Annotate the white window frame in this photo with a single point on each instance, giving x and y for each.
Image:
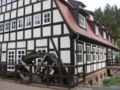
(82, 21)
(11, 60)
(37, 19)
(80, 53)
(48, 18)
(28, 21)
(13, 25)
(96, 30)
(6, 26)
(88, 55)
(104, 35)
(1, 27)
(94, 53)
(20, 54)
(20, 23)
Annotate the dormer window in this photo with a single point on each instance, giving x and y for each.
(82, 21)
(96, 30)
(104, 35)
(109, 38)
(91, 17)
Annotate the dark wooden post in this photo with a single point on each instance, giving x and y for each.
(30, 73)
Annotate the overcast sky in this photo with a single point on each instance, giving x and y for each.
(92, 4)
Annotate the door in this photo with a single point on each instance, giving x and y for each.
(11, 60)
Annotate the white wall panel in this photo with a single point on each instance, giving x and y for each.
(57, 16)
(1, 38)
(27, 2)
(1, 17)
(13, 14)
(46, 4)
(28, 9)
(41, 42)
(3, 57)
(37, 32)
(54, 4)
(20, 35)
(30, 45)
(4, 47)
(66, 31)
(8, 7)
(28, 34)
(57, 30)
(7, 15)
(20, 3)
(11, 45)
(33, 1)
(37, 7)
(21, 44)
(6, 37)
(65, 56)
(55, 40)
(14, 5)
(20, 12)
(65, 42)
(88, 69)
(47, 31)
(12, 36)
(50, 44)
(3, 8)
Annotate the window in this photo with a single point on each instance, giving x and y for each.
(104, 35)
(46, 18)
(82, 21)
(88, 54)
(13, 24)
(94, 54)
(11, 60)
(20, 54)
(20, 23)
(1, 27)
(96, 30)
(6, 26)
(79, 52)
(28, 21)
(37, 19)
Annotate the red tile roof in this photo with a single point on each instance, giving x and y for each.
(71, 22)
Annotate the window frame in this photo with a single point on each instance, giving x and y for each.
(88, 54)
(82, 21)
(97, 30)
(20, 25)
(11, 25)
(36, 19)
(48, 18)
(6, 25)
(28, 21)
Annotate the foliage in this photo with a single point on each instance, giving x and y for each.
(112, 81)
(110, 16)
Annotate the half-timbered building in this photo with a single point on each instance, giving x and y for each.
(60, 27)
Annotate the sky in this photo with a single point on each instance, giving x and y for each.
(93, 4)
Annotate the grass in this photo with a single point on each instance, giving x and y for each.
(112, 81)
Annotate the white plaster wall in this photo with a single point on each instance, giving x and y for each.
(47, 31)
(20, 12)
(6, 37)
(14, 5)
(33, 1)
(1, 38)
(3, 57)
(4, 47)
(1, 17)
(54, 4)
(65, 56)
(36, 32)
(11, 45)
(41, 42)
(8, 7)
(20, 35)
(46, 4)
(30, 45)
(7, 15)
(57, 16)
(57, 30)
(50, 44)
(37, 7)
(28, 34)
(66, 31)
(12, 36)
(28, 9)
(27, 2)
(21, 44)
(65, 42)
(55, 40)
(20, 3)
(3, 8)
(88, 69)
(13, 14)
(80, 69)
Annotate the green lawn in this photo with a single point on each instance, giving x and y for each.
(112, 81)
